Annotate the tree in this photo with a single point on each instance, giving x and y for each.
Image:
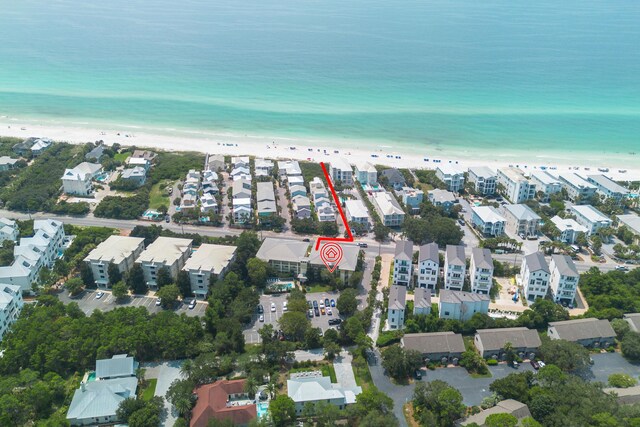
(294, 325)
(509, 353)
(164, 277)
(86, 275)
(184, 284)
(282, 410)
(331, 349)
(135, 280)
(169, 295)
(74, 286)
(630, 346)
(114, 273)
(514, 386)
(438, 400)
(501, 420)
(566, 355)
(257, 271)
(251, 387)
(380, 231)
(621, 327)
(119, 291)
(347, 303)
(180, 395)
(622, 380)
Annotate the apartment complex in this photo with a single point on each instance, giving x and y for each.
(208, 263)
(579, 190)
(515, 186)
(590, 218)
(11, 304)
(164, 252)
(483, 179)
(121, 251)
(607, 187)
(462, 306)
(522, 220)
(546, 184)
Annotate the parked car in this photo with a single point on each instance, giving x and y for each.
(260, 309)
(284, 306)
(322, 310)
(333, 303)
(316, 311)
(310, 313)
(309, 304)
(192, 304)
(535, 365)
(515, 364)
(622, 268)
(541, 364)
(159, 301)
(99, 294)
(363, 245)
(262, 317)
(315, 304)
(418, 374)
(306, 240)
(329, 311)
(273, 306)
(335, 321)
(326, 302)
(461, 221)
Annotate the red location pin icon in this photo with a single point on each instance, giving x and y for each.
(331, 255)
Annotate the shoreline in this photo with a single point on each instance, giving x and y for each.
(317, 149)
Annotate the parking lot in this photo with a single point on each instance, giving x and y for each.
(251, 335)
(88, 302)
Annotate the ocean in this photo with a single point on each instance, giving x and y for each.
(545, 78)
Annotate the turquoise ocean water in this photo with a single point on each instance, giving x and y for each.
(465, 76)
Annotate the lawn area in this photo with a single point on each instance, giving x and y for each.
(317, 287)
(122, 157)
(148, 392)
(329, 371)
(361, 372)
(158, 195)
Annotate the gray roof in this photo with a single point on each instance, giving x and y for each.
(509, 406)
(455, 255)
(482, 171)
(565, 265)
(96, 153)
(455, 297)
(625, 396)
(264, 191)
(422, 298)
(521, 212)
(634, 320)
(101, 398)
(536, 261)
(349, 259)
(118, 366)
(495, 339)
(631, 221)
(404, 250)
(442, 196)
(482, 258)
(394, 176)
(282, 250)
(434, 342)
(607, 183)
(397, 297)
(580, 329)
(429, 252)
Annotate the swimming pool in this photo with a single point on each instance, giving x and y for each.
(91, 377)
(262, 409)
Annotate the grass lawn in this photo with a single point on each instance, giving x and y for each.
(317, 287)
(148, 392)
(329, 371)
(122, 157)
(158, 197)
(487, 375)
(361, 372)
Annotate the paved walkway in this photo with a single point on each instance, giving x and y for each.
(166, 373)
(344, 370)
(312, 355)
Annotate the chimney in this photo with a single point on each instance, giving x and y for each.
(82, 387)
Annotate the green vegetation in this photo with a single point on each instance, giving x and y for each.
(149, 390)
(119, 207)
(400, 363)
(159, 196)
(122, 156)
(429, 177)
(329, 371)
(432, 228)
(622, 380)
(437, 404)
(611, 294)
(310, 170)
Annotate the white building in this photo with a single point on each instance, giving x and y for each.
(607, 187)
(397, 306)
(289, 168)
(412, 198)
(564, 279)
(422, 301)
(120, 251)
(168, 252)
(8, 230)
(340, 170)
(455, 267)
(487, 220)
(483, 179)
(312, 388)
(481, 270)
(590, 218)
(516, 187)
(534, 276)
(301, 207)
(357, 212)
(462, 306)
(208, 203)
(242, 210)
(578, 189)
(241, 172)
(632, 223)
(366, 173)
(240, 162)
(403, 263)
(7, 163)
(263, 167)
(78, 181)
(241, 189)
(208, 262)
(569, 229)
(428, 266)
(11, 304)
(388, 208)
(546, 183)
(452, 176)
(521, 220)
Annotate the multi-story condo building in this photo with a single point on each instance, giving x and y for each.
(546, 184)
(388, 208)
(340, 170)
(534, 276)
(569, 229)
(607, 187)
(579, 190)
(452, 176)
(487, 220)
(483, 179)
(428, 266)
(590, 218)
(121, 251)
(357, 212)
(208, 262)
(455, 266)
(481, 271)
(8, 230)
(564, 279)
(168, 252)
(284, 255)
(521, 220)
(366, 173)
(403, 263)
(11, 304)
(632, 223)
(462, 306)
(516, 187)
(397, 306)
(79, 180)
(412, 198)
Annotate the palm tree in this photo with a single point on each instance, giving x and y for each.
(508, 352)
(251, 387)
(183, 406)
(272, 387)
(187, 368)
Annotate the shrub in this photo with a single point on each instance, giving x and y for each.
(492, 362)
(388, 337)
(622, 380)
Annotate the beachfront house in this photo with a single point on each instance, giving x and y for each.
(488, 221)
(164, 252)
(428, 266)
(137, 175)
(439, 347)
(33, 145)
(524, 342)
(608, 188)
(569, 229)
(340, 171)
(78, 181)
(546, 184)
(357, 212)
(394, 178)
(579, 190)
(388, 208)
(521, 220)
(452, 176)
(266, 199)
(481, 270)
(515, 186)
(534, 276)
(483, 180)
(208, 264)
(263, 167)
(412, 198)
(241, 172)
(312, 388)
(590, 218)
(366, 173)
(11, 304)
(422, 301)
(121, 251)
(284, 256)
(7, 163)
(8, 230)
(462, 306)
(454, 267)
(403, 263)
(397, 306)
(442, 198)
(288, 168)
(214, 163)
(564, 279)
(632, 223)
(589, 332)
(225, 401)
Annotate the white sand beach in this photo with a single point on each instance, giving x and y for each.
(305, 149)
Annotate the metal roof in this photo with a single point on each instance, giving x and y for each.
(120, 365)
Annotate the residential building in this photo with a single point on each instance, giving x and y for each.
(147, 155)
(297, 190)
(317, 188)
(242, 210)
(295, 180)
(136, 175)
(223, 400)
(301, 207)
(483, 180)
(443, 347)
(39, 146)
(442, 198)
(240, 162)
(590, 218)
(208, 263)
(546, 184)
(8, 230)
(634, 321)
(462, 306)
(119, 366)
(564, 279)
(140, 162)
(388, 208)
(168, 252)
(266, 201)
(325, 212)
(208, 203)
(509, 406)
(422, 301)
(412, 198)
(569, 229)
(632, 223)
(214, 163)
(428, 266)
(340, 170)
(394, 177)
(516, 187)
(579, 190)
(534, 276)
(289, 168)
(96, 153)
(524, 342)
(397, 306)
(521, 220)
(366, 173)
(403, 263)
(263, 167)
(241, 189)
(589, 332)
(32, 145)
(481, 270)
(346, 267)
(7, 163)
(121, 251)
(284, 256)
(455, 266)
(488, 221)
(357, 212)
(78, 181)
(452, 176)
(11, 304)
(608, 188)
(321, 200)
(241, 172)
(313, 388)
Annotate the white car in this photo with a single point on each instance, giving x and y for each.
(329, 312)
(159, 301)
(99, 295)
(284, 306)
(192, 304)
(541, 364)
(273, 306)
(262, 317)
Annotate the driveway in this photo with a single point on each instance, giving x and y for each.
(166, 373)
(344, 370)
(605, 364)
